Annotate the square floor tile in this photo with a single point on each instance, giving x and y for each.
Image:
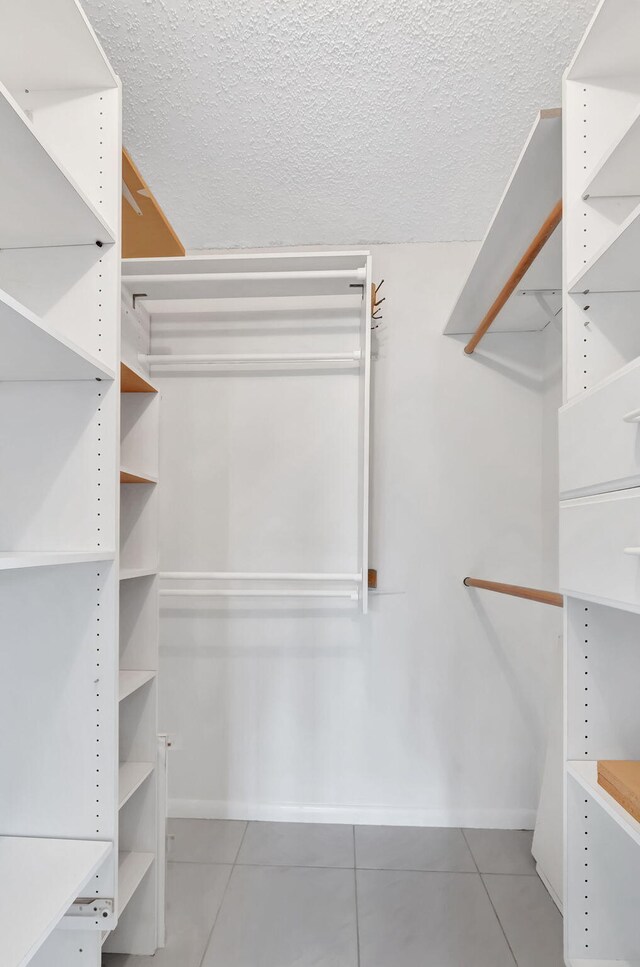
(501, 850)
(194, 895)
(529, 918)
(286, 917)
(297, 844)
(204, 840)
(410, 919)
(412, 848)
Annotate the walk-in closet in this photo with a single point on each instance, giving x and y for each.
(319, 484)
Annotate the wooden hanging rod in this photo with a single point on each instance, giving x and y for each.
(531, 594)
(546, 230)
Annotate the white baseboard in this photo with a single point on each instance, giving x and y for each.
(358, 815)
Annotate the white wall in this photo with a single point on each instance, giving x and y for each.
(431, 709)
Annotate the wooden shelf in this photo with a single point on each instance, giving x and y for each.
(586, 774)
(32, 350)
(146, 231)
(39, 880)
(129, 477)
(131, 381)
(131, 775)
(40, 204)
(23, 559)
(612, 36)
(615, 267)
(132, 868)
(534, 188)
(131, 681)
(128, 573)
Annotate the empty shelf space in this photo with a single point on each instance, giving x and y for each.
(40, 204)
(618, 173)
(132, 381)
(31, 350)
(131, 681)
(129, 477)
(24, 559)
(615, 267)
(39, 880)
(128, 573)
(586, 773)
(131, 870)
(130, 777)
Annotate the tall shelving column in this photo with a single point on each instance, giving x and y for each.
(142, 774)
(600, 482)
(60, 115)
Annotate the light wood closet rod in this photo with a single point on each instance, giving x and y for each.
(547, 229)
(531, 594)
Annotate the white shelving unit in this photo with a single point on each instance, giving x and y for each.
(293, 325)
(58, 870)
(60, 113)
(142, 779)
(533, 189)
(600, 482)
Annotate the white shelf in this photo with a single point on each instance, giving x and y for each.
(128, 573)
(131, 870)
(619, 173)
(131, 681)
(533, 189)
(131, 775)
(40, 204)
(24, 559)
(39, 880)
(615, 267)
(612, 37)
(586, 773)
(190, 279)
(32, 350)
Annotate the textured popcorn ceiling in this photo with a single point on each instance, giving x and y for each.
(297, 122)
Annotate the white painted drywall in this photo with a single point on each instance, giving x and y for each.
(431, 709)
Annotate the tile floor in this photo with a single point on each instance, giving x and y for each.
(311, 895)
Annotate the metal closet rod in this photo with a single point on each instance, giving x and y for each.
(257, 593)
(543, 235)
(256, 576)
(355, 275)
(169, 359)
(531, 594)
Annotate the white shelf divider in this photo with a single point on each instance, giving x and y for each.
(39, 880)
(132, 868)
(131, 775)
(40, 204)
(23, 559)
(131, 681)
(32, 350)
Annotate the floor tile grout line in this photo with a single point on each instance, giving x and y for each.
(222, 899)
(484, 887)
(215, 919)
(241, 843)
(355, 885)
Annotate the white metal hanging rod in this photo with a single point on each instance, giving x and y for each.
(169, 359)
(255, 576)
(258, 593)
(351, 275)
